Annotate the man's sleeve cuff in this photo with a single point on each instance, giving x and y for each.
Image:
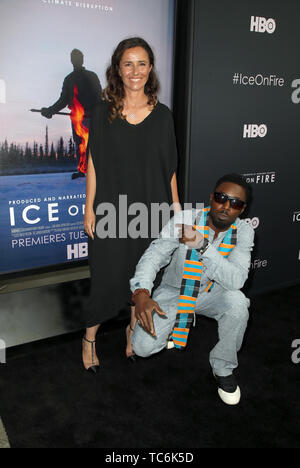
(134, 285)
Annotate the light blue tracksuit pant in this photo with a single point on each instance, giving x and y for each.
(228, 308)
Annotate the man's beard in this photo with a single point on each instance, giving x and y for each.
(220, 224)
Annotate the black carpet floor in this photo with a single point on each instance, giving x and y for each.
(167, 401)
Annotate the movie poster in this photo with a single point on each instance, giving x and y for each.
(53, 59)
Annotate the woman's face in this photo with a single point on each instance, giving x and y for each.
(135, 68)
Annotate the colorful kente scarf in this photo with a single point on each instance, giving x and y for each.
(191, 280)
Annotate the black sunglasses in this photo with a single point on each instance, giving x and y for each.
(235, 203)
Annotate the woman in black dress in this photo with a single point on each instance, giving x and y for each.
(132, 158)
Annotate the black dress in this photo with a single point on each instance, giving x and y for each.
(136, 161)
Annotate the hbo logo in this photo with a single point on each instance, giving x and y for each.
(253, 131)
(261, 25)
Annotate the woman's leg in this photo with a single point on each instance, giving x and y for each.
(89, 355)
(129, 332)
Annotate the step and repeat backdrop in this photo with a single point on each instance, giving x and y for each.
(245, 118)
(43, 161)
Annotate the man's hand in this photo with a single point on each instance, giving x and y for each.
(144, 308)
(189, 236)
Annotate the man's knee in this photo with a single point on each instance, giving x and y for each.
(143, 347)
(237, 305)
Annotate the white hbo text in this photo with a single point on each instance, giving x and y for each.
(261, 25)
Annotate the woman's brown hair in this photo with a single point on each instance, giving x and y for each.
(114, 92)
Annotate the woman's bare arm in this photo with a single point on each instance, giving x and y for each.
(175, 196)
(90, 217)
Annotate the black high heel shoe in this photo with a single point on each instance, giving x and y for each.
(133, 357)
(94, 369)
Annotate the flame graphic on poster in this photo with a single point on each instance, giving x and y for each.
(77, 115)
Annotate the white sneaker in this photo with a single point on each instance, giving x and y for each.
(228, 389)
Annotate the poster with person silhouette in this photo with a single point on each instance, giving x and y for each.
(53, 56)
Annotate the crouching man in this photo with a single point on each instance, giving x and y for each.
(208, 253)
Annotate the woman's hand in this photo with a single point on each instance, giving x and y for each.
(90, 223)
